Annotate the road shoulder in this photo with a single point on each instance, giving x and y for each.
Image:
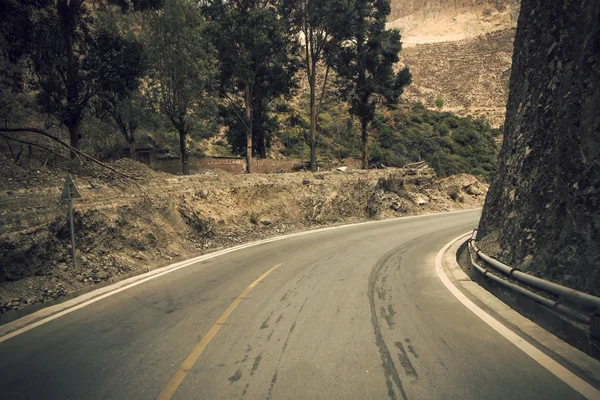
(574, 360)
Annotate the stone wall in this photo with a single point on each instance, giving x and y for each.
(237, 165)
(543, 207)
(197, 164)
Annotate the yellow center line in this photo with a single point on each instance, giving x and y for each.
(188, 363)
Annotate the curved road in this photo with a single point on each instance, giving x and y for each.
(350, 313)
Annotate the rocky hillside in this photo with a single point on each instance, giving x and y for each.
(470, 76)
(125, 226)
(543, 208)
(459, 52)
(427, 21)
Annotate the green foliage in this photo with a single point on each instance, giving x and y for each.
(365, 64)
(322, 26)
(439, 103)
(256, 53)
(183, 68)
(453, 194)
(68, 60)
(448, 143)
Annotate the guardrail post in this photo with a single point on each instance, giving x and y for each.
(595, 324)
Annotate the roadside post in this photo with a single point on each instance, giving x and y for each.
(69, 193)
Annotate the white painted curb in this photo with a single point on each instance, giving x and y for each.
(575, 382)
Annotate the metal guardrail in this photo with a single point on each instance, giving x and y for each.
(579, 305)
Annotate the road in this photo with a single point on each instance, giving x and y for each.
(351, 313)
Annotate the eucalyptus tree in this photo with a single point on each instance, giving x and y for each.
(257, 64)
(321, 26)
(182, 67)
(366, 64)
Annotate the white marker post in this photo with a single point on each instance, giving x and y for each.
(69, 193)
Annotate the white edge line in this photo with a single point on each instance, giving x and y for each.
(575, 382)
(22, 325)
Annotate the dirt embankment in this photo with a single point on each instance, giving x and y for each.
(125, 227)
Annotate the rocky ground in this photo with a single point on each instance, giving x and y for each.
(126, 227)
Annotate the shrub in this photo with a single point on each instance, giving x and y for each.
(453, 194)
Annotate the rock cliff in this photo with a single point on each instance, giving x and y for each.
(543, 208)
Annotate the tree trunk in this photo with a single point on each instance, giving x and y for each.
(261, 148)
(183, 147)
(313, 120)
(131, 140)
(248, 105)
(73, 136)
(259, 138)
(72, 117)
(365, 144)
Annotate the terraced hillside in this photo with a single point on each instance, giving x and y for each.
(458, 51)
(470, 76)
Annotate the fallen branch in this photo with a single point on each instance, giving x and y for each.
(48, 149)
(68, 146)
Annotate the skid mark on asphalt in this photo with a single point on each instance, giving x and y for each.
(387, 363)
(410, 347)
(388, 314)
(301, 307)
(256, 363)
(285, 296)
(283, 349)
(272, 385)
(243, 360)
(245, 391)
(265, 323)
(287, 339)
(388, 318)
(410, 370)
(236, 377)
(376, 293)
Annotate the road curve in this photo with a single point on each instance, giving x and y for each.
(351, 313)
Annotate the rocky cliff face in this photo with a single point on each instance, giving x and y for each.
(543, 208)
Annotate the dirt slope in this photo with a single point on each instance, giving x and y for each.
(459, 51)
(125, 228)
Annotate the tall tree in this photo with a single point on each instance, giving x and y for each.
(125, 60)
(257, 63)
(57, 41)
(365, 64)
(321, 25)
(182, 66)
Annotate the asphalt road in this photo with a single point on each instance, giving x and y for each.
(351, 313)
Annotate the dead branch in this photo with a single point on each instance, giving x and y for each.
(48, 149)
(68, 146)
